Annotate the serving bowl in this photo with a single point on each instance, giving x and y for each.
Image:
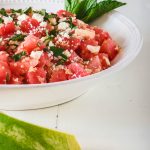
(21, 97)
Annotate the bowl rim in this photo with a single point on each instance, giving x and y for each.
(118, 66)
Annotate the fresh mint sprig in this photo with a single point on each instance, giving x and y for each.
(89, 10)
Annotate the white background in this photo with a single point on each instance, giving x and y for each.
(115, 115)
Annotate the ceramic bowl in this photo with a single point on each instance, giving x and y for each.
(21, 97)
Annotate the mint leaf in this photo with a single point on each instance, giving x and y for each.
(28, 11)
(16, 11)
(18, 37)
(18, 56)
(1, 20)
(71, 4)
(83, 7)
(58, 52)
(3, 12)
(101, 8)
(88, 10)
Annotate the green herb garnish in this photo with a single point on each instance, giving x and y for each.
(18, 56)
(18, 37)
(88, 10)
(58, 52)
(28, 11)
(72, 26)
(41, 12)
(3, 12)
(16, 11)
(1, 20)
(48, 16)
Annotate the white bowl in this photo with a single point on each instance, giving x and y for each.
(21, 97)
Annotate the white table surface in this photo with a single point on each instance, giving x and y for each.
(115, 115)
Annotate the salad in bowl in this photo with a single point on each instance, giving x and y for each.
(51, 58)
(37, 47)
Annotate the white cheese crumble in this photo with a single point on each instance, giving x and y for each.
(51, 44)
(18, 32)
(36, 54)
(7, 19)
(93, 49)
(43, 24)
(38, 17)
(63, 26)
(65, 33)
(84, 33)
(62, 19)
(22, 17)
(67, 53)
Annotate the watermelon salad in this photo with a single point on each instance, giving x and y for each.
(37, 47)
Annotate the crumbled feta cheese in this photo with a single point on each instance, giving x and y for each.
(36, 54)
(63, 26)
(43, 24)
(65, 33)
(22, 17)
(38, 17)
(82, 33)
(93, 49)
(67, 53)
(7, 19)
(62, 19)
(18, 32)
(59, 67)
(1, 39)
(51, 44)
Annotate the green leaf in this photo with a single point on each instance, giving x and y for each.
(48, 16)
(58, 52)
(18, 56)
(83, 7)
(16, 11)
(1, 20)
(71, 4)
(72, 26)
(18, 37)
(3, 12)
(41, 12)
(101, 8)
(28, 11)
(88, 10)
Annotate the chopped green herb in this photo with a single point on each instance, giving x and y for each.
(41, 12)
(53, 33)
(60, 62)
(18, 37)
(72, 26)
(1, 20)
(18, 56)
(3, 12)
(58, 52)
(16, 11)
(28, 11)
(48, 16)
